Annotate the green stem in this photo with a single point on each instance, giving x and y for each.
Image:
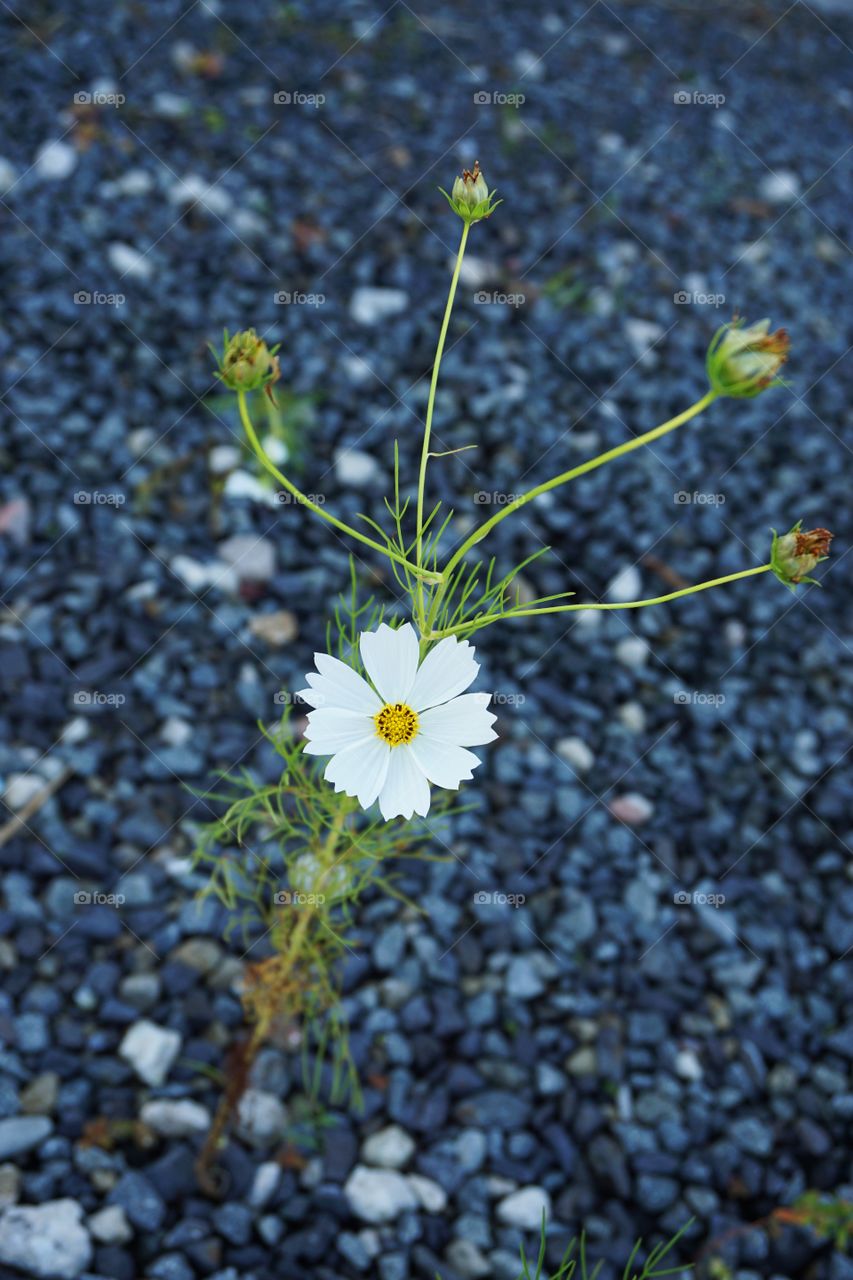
(571, 608)
(439, 351)
(590, 465)
(305, 501)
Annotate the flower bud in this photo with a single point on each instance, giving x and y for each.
(247, 363)
(743, 362)
(795, 554)
(470, 197)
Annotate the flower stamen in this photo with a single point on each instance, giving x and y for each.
(396, 724)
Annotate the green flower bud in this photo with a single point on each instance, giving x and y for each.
(795, 554)
(743, 362)
(470, 197)
(247, 363)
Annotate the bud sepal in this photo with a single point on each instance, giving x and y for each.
(470, 196)
(247, 363)
(794, 554)
(744, 360)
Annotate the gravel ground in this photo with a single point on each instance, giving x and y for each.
(618, 1049)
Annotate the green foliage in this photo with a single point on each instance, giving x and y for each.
(290, 861)
(827, 1215)
(574, 1264)
(289, 422)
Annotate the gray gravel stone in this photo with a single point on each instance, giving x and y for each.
(22, 1133)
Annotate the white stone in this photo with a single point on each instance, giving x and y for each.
(371, 306)
(21, 788)
(431, 1194)
(522, 979)
(261, 1117)
(523, 1209)
(632, 808)
(275, 629)
(46, 1240)
(633, 651)
(252, 559)
(633, 717)
(780, 188)
(76, 731)
(175, 1117)
(687, 1065)
(136, 182)
(241, 484)
(466, 1259)
(476, 273)
(354, 468)
(576, 753)
(128, 261)
(8, 176)
(224, 458)
(265, 1184)
(588, 620)
(390, 1147)
(171, 106)
(643, 336)
(110, 1225)
(199, 577)
(150, 1050)
(194, 190)
(357, 370)
(55, 161)
(626, 585)
(176, 732)
(529, 65)
(378, 1195)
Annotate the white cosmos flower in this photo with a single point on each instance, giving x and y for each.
(411, 728)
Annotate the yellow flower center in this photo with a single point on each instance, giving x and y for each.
(396, 724)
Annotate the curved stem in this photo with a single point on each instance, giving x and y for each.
(590, 465)
(439, 351)
(305, 501)
(629, 604)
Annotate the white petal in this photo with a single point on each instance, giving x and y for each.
(406, 790)
(464, 722)
(339, 686)
(446, 671)
(444, 765)
(360, 770)
(331, 729)
(391, 659)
